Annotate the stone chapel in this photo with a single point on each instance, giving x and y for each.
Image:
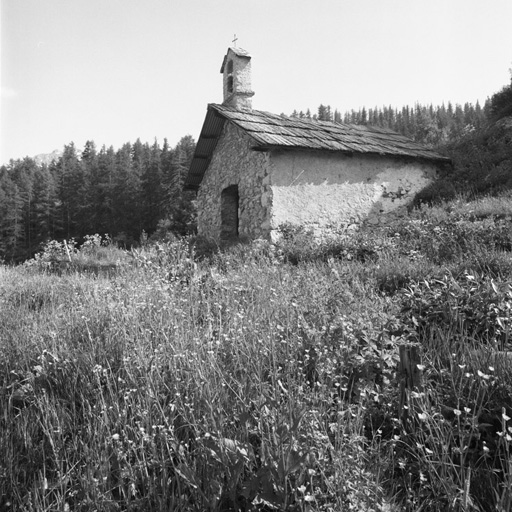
(254, 171)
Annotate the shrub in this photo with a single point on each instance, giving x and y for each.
(471, 307)
(97, 254)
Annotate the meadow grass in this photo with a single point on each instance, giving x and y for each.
(250, 379)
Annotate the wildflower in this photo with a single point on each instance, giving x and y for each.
(483, 375)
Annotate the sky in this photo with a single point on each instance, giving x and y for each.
(113, 71)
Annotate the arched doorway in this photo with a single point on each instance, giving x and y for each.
(229, 213)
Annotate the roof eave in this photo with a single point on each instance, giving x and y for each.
(274, 147)
(206, 144)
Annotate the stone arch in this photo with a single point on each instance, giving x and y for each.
(229, 205)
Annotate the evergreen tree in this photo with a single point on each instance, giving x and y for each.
(127, 198)
(12, 237)
(501, 103)
(71, 191)
(45, 201)
(92, 195)
(153, 194)
(179, 208)
(104, 217)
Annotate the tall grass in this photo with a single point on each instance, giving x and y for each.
(263, 377)
(173, 386)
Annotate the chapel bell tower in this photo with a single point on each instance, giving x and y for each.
(236, 77)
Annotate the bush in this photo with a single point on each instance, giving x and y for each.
(439, 191)
(299, 244)
(471, 308)
(97, 254)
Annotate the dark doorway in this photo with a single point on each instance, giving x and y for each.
(229, 213)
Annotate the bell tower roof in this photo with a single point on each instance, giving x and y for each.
(239, 52)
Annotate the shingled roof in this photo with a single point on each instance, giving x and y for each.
(271, 131)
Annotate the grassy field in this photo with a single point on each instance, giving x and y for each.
(263, 377)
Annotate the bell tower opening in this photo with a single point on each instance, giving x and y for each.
(229, 204)
(230, 76)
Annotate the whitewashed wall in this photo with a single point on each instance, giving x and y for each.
(318, 189)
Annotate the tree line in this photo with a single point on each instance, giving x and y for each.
(444, 126)
(125, 193)
(423, 123)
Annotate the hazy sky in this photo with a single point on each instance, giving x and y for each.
(115, 70)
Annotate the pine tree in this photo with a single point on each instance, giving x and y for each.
(127, 198)
(45, 201)
(179, 207)
(92, 196)
(104, 218)
(12, 231)
(71, 191)
(153, 195)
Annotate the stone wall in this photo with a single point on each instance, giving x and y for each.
(235, 163)
(318, 189)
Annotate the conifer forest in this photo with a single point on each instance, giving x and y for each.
(122, 193)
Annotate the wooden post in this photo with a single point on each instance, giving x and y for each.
(410, 378)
